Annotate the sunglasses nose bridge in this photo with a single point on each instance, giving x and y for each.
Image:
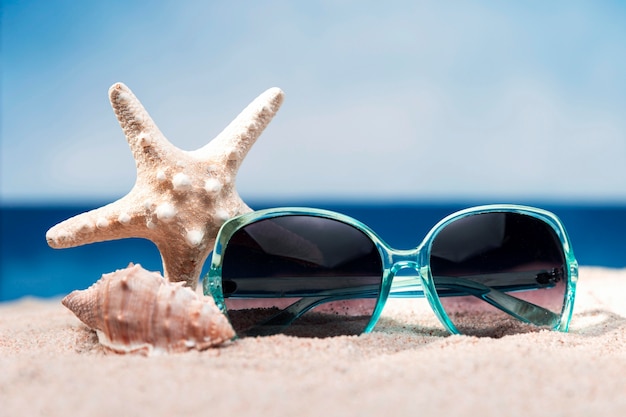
(404, 264)
(406, 279)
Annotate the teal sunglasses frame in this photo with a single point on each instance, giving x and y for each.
(421, 284)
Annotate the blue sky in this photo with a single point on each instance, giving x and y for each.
(397, 100)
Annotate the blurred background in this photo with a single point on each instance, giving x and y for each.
(396, 112)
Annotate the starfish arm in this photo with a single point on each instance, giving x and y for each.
(180, 264)
(109, 222)
(234, 142)
(243, 208)
(144, 137)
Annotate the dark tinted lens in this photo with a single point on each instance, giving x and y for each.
(300, 275)
(489, 268)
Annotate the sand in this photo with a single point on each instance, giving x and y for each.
(52, 365)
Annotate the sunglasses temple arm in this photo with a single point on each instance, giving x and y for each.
(518, 308)
(285, 317)
(410, 286)
(522, 310)
(292, 312)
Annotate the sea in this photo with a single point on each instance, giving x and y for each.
(30, 268)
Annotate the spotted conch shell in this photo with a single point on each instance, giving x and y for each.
(134, 310)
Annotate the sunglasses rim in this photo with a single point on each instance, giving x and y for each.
(389, 255)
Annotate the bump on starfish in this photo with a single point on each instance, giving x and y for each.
(180, 198)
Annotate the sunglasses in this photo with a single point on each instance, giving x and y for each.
(486, 271)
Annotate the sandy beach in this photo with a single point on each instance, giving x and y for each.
(52, 365)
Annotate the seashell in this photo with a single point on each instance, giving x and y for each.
(134, 310)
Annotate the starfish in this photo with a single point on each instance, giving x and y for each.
(180, 198)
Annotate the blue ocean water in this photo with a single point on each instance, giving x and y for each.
(30, 268)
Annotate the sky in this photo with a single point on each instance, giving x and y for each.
(395, 100)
